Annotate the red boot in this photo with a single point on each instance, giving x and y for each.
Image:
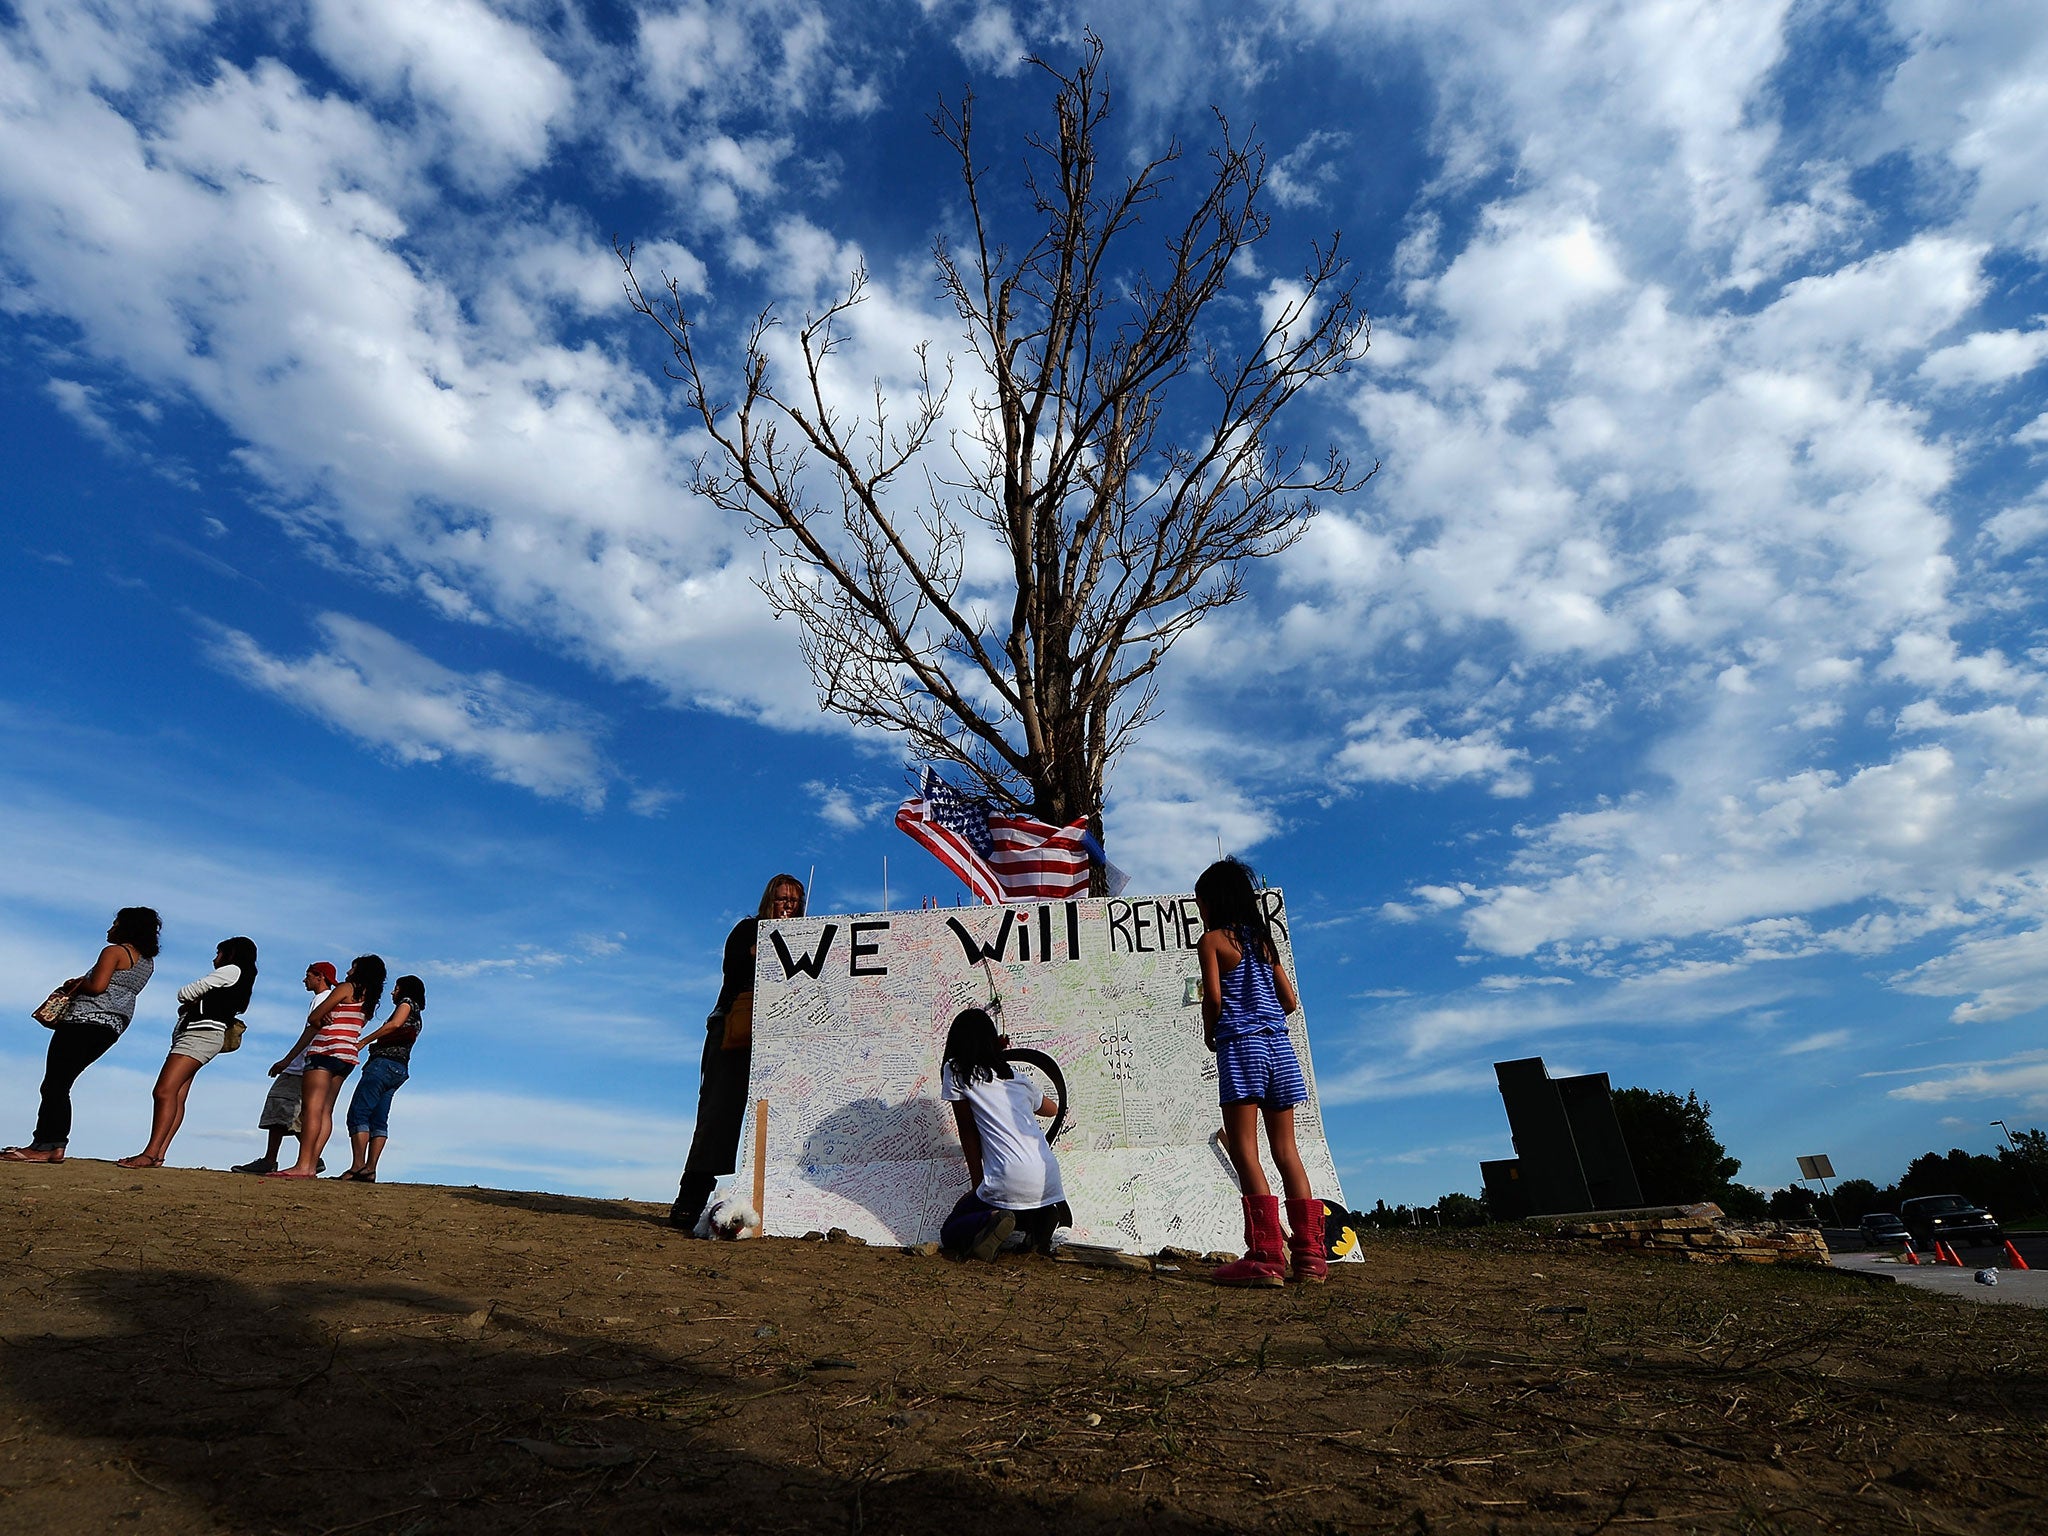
(1305, 1241)
(1261, 1264)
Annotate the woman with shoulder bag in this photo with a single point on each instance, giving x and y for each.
(102, 1002)
(209, 1015)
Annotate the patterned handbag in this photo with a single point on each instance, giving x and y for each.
(52, 1008)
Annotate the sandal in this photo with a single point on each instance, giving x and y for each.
(31, 1155)
(357, 1176)
(140, 1160)
(288, 1173)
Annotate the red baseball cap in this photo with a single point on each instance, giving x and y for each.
(323, 969)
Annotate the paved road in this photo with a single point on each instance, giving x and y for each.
(2033, 1247)
(2019, 1288)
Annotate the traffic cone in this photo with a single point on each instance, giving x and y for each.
(1954, 1257)
(2013, 1256)
(1909, 1256)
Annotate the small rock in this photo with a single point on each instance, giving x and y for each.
(841, 1235)
(766, 1331)
(1102, 1258)
(1178, 1255)
(1219, 1257)
(909, 1418)
(833, 1363)
(922, 1250)
(813, 1237)
(1093, 1420)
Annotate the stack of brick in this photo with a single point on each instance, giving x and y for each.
(1699, 1234)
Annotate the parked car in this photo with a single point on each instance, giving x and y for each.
(1950, 1218)
(1883, 1229)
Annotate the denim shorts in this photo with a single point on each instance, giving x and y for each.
(1260, 1069)
(339, 1066)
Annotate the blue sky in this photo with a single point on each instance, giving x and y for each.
(1671, 704)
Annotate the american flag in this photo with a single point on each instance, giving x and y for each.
(1002, 857)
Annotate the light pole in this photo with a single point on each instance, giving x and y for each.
(2008, 1134)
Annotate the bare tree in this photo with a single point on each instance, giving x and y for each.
(1120, 535)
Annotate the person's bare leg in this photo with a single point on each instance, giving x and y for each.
(360, 1159)
(1286, 1156)
(316, 1120)
(183, 1092)
(1241, 1141)
(167, 1110)
(376, 1151)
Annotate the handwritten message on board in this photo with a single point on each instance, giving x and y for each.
(850, 1015)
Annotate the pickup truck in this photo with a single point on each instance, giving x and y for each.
(1950, 1218)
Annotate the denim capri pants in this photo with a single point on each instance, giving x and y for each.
(370, 1107)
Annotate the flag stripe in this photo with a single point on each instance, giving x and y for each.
(1000, 857)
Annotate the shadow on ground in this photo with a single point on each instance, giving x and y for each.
(321, 1407)
(565, 1205)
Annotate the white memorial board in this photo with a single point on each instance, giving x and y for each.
(850, 1016)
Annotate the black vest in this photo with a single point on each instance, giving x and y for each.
(225, 1003)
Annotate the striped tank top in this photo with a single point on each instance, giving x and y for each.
(340, 1033)
(1251, 1003)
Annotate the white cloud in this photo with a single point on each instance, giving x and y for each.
(247, 243)
(1986, 358)
(1966, 99)
(487, 76)
(1387, 747)
(990, 40)
(838, 809)
(1824, 1040)
(389, 696)
(1303, 176)
(80, 402)
(2023, 1077)
(2002, 974)
(1882, 306)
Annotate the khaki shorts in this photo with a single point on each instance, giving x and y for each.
(281, 1105)
(201, 1042)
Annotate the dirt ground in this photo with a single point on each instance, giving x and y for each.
(197, 1352)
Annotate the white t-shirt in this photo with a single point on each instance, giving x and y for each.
(296, 1067)
(1018, 1170)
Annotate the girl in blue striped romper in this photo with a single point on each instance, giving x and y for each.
(1246, 998)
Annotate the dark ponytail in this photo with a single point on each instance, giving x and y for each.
(240, 953)
(366, 975)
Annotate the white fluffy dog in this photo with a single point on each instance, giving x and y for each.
(730, 1217)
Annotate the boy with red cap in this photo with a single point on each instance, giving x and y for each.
(280, 1114)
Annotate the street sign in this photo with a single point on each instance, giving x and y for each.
(1816, 1167)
